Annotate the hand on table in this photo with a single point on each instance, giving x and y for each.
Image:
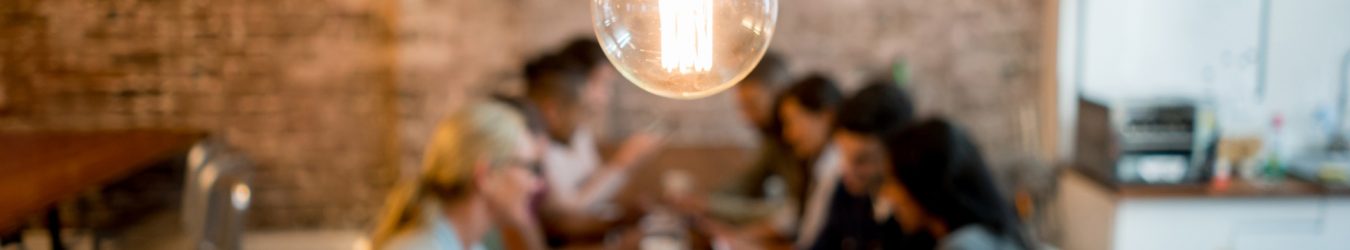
(691, 205)
(724, 236)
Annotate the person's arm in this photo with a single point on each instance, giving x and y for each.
(522, 235)
(758, 231)
(564, 222)
(750, 184)
(744, 199)
(599, 186)
(635, 150)
(605, 180)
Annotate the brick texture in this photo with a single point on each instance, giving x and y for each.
(304, 88)
(973, 61)
(334, 99)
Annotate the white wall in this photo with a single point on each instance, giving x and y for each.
(1208, 50)
(1308, 41)
(1067, 53)
(1164, 48)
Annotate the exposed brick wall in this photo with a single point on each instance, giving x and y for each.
(450, 51)
(304, 89)
(973, 61)
(330, 97)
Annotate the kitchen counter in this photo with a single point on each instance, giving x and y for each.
(1289, 214)
(1237, 188)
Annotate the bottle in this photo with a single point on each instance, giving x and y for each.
(1274, 165)
(1222, 174)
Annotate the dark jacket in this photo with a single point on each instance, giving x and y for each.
(851, 225)
(744, 200)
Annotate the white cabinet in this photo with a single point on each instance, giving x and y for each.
(1337, 220)
(1101, 218)
(1214, 223)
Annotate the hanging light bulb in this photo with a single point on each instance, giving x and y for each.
(684, 49)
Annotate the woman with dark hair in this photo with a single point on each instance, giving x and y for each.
(805, 111)
(750, 199)
(938, 184)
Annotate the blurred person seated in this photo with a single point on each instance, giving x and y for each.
(474, 177)
(805, 111)
(579, 186)
(745, 198)
(537, 133)
(600, 76)
(534, 125)
(934, 182)
(878, 109)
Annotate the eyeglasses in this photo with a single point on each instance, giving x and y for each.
(533, 165)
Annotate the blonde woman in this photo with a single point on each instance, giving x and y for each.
(474, 179)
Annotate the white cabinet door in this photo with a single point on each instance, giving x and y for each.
(1337, 233)
(1331, 231)
(1217, 223)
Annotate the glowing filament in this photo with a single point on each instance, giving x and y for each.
(686, 35)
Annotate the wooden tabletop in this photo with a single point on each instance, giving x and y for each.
(1236, 188)
(41, 169)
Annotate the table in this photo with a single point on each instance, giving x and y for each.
(628, 233)
(708, 166)
(41, 169)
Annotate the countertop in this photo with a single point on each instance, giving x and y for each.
(1236, 188)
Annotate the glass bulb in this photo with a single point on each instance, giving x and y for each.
(684, 49)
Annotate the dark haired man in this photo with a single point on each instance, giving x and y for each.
(878, 109)
(580, 186)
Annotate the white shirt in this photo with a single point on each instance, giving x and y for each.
(826, 176)
(575, 177)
